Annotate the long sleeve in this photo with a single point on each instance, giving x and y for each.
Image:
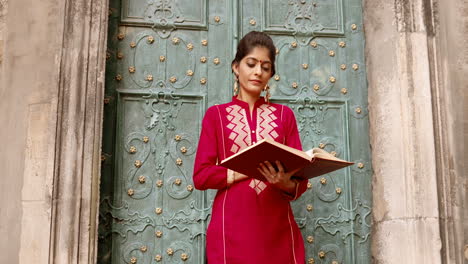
(292, 139)
(206, 174)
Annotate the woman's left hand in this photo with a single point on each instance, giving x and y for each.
(278, 178)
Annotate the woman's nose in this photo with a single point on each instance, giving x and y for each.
(258, 69)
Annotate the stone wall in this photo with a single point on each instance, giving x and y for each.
(32, 42)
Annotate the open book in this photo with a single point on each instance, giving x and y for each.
(314, 162)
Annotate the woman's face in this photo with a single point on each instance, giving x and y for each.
(254, 71)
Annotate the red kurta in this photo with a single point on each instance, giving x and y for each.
(251, 221)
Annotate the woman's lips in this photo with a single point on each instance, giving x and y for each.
(256, 81)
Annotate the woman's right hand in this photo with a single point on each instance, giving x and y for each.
(278, 177)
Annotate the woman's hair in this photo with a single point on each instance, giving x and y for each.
(255, 39)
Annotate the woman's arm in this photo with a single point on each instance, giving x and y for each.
(234, 176)
(206, 173)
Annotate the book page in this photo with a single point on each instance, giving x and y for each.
(310, 153)
(321, 153)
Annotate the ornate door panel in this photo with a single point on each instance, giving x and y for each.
(321, 76)
(170, 60)
(167, 62)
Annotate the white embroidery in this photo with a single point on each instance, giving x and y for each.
(257, 185)
(266, 122)
(240, 129)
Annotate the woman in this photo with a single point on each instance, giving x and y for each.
(251, 220)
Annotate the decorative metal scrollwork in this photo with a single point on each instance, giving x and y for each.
(133, 184)
(180, 190)
(160, 109)
(133, 253)
(176, 187)
(122, 219)
(189, 219)
(302, 17)
(164, 15)
(348, 222)
(310, 115)
(328, 191)
(156, 71)
(177, 251)
(335, 253)
(319, 80)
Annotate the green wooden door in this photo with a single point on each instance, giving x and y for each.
(170, 60)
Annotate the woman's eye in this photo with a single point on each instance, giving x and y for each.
(266, 69)
(250, 65)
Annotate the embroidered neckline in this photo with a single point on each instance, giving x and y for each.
(260, 101)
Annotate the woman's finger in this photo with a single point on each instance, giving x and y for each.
(267, 176)
(279, 166)
(264, 170)
(270, 167)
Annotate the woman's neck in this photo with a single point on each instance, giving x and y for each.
(248, 98)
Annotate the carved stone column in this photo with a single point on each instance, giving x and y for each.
(405, 204)
(76, 178)
(450, 104)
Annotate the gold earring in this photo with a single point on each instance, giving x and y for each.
(267, 95)
(236, 86)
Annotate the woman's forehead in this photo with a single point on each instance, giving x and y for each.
(259, 53)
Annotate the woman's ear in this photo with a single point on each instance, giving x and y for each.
(235, 68)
